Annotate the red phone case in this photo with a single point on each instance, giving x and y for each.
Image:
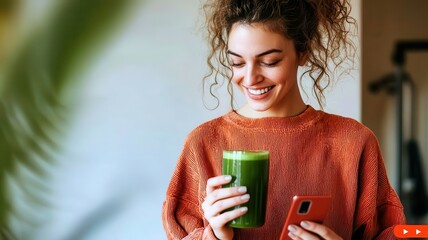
(318, 207)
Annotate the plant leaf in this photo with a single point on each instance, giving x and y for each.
(32, 105)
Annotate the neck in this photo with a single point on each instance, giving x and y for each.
(287, 111)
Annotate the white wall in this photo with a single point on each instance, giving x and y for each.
(132, 114)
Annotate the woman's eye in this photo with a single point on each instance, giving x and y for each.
(270, 64)
(237, 64)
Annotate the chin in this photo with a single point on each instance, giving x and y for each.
(259, 107)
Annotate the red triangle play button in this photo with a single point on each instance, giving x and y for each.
(411, 231)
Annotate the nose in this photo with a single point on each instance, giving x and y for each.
(252, 75)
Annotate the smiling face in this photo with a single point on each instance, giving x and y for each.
(264, 65)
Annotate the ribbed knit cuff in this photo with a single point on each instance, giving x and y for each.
(208, 234)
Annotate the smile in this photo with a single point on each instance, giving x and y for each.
(260, 91)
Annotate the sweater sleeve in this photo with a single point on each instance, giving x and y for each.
(378, 207)
(182, 216)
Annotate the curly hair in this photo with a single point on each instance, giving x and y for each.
(318, 28)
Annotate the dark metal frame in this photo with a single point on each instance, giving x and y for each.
(398, 59)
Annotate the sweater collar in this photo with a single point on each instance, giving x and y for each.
(301, 121)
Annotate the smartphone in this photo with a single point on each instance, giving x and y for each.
(311, 208)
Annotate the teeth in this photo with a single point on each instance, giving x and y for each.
(259, 91)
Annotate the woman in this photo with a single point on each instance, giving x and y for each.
(259, 46)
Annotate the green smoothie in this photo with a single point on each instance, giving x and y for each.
(250, 169)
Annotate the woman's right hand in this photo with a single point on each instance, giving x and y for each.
(219, 199)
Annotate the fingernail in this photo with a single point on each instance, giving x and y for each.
(305, 224)
(242, 189)
(291, 235)
(243, 209)
(292, 229)
(245, 197)
(228, 178)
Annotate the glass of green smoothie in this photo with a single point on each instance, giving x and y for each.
(250, 169)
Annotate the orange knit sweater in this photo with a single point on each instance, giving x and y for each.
(314, 153)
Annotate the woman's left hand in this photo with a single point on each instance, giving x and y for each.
(311, 230)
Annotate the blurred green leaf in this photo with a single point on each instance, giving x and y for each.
(32, 92)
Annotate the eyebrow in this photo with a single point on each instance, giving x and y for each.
(258, 55)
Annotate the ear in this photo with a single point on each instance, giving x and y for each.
(303, 57)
